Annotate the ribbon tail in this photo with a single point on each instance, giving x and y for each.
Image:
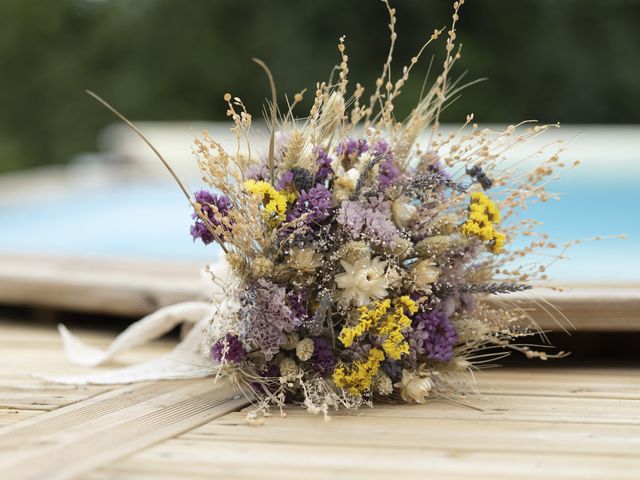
(184, 361)
(144, 330)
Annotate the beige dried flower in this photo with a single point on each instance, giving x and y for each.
(332, 114)
(402, 247)
(304, 260)
(414, 387)
(292, 340)
(288, 367)
(345, 185)
(304, 349)
(261, 267)
(352, 251)
(363, 280)
(425, 273)
(438, 245)
(403, 211)
(384, 385)
(446, 224)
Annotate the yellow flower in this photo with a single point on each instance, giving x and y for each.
(384, 322)
(359, 376)
(274, 202)
(481, 220)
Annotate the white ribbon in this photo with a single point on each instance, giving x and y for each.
(184, 361)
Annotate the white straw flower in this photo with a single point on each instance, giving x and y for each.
(413, 387)
(344, 185)
(425, 273)
(403, 211)
(363, 280)
(304, 349)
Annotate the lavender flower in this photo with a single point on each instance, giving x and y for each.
(323, 361)
(257, 172)
(298, 302)
(265, 317)
(208, 201)
(352, 148)
(389, 172)
(370, 220)
(229, 349)
(316, 203)
(324, 162)
(434, 335)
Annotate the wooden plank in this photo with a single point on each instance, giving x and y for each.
(291, 459)
(108, 286)
(78, 438)
(366, 430)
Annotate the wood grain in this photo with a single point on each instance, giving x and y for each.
(526, 423)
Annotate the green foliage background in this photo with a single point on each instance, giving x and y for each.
(551, 60)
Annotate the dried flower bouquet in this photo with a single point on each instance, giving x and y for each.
(363, 248)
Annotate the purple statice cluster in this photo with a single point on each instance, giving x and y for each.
(370, 219)
(352, 148)
(299, 303)
(214, 207)
(434, 335)
(389, 173)
(266, 317)
(323, 360)
(315, 204)
(228, 349)
(323, 161)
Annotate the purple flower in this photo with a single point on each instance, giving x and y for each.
(229, 349)
(298, 302)
(296, 179)
(389, 172)
(214, 207)
(352, 148)
(324, 166)
(257, 172)
(265, 317)
(370, 220)
(434, 335)
(316, 203)
(286, 181)
(323, 361)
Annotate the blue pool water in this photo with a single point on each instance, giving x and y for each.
(152, 221)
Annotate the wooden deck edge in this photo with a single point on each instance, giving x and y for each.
(137, 287)
(93, 433)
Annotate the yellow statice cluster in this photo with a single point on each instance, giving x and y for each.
(358, 377)
(481, 221)
(274, 202)
(386, 320)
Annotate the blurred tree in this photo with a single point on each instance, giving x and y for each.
(569, 61)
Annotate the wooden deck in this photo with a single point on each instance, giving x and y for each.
(545, 422)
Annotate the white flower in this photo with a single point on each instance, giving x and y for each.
(304, 349)
(403, 211)
(384, 385)
(344, 185)
(425, 273)
(363, 280)
(413, 387)
(304, 260)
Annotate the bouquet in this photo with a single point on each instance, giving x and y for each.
(368, 255)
